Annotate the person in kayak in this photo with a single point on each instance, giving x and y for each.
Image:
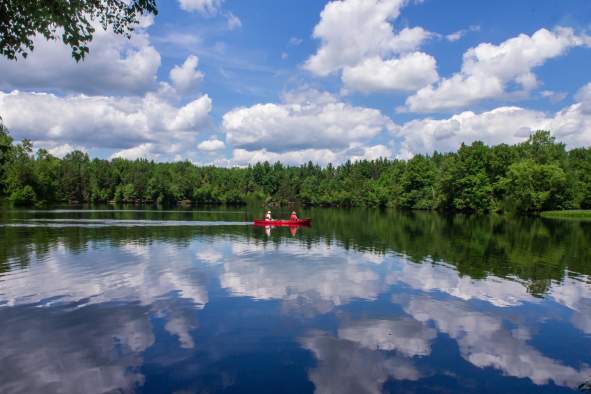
(268, 216)
(293, 216)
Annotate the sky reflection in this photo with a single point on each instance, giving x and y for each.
(213, 312)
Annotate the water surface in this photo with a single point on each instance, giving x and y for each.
(364, 301)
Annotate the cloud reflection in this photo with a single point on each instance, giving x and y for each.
(346, 366)
(485, 341)
(88, 350)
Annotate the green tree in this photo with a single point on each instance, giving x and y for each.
(6, 153)
(417, 184)
(73, 20)
(23, 196)
(464, 184)
(580, 171)
(542, 148)
(74, 177)
(20, 175)
(533, 187)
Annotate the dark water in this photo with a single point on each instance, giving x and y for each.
(363, 302)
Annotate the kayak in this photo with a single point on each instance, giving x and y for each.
(279, 222)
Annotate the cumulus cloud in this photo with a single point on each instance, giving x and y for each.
(233, 22)
(410, 72)
(571, 125)
(142, 151)
(353, 30)
(116, 65)
(204, 7)
(553, 96)
(584, 96)
(244, 157)
(488, 70)
(62, 150)
(103, 121)
(186, 77)
(211, 145)
(304, 120)
(458, 35)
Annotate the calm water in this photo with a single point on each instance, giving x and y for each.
(363, 302)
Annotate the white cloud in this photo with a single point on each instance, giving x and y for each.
(352, 30)
(204, 7)
(584, 96)
(489, 69)
(115, 65)
(104, 121)
(62, 150)
(458, 35)
(553, 96)
(295, 41)
(305, 120)
(186, 78)
(505, 124)
(571, 125)
(244, 157)
(142, 151)
(211, 145)
(233, 22)
(410, 72)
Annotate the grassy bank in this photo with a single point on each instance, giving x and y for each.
(570, 214)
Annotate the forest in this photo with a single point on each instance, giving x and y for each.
(536, 175)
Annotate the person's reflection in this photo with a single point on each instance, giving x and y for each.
(293, 231)
(268, 231)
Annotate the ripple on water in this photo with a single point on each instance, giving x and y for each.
(97, 223)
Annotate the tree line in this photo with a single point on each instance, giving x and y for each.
(536, 175)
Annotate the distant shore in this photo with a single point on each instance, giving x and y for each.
(568, 214)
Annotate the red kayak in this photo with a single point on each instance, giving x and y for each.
(299, 222)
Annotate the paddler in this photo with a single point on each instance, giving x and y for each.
(268, 216)
(293, 216)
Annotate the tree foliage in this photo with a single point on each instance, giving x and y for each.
(74, 20)
(538, 174)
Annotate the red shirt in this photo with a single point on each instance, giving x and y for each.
(293, 217)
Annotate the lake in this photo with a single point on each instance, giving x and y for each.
(364, 301)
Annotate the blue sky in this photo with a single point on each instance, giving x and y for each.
(233, 82)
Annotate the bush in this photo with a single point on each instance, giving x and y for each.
(24, 196)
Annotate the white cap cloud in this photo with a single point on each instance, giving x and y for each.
(115, 65)
(571, 125)
(304, 120)
(358, 38)
(135, 123)
(353, 30)
(204, 7)
(410, 72)
(186, 77)
(211, 145)
(488, 69)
